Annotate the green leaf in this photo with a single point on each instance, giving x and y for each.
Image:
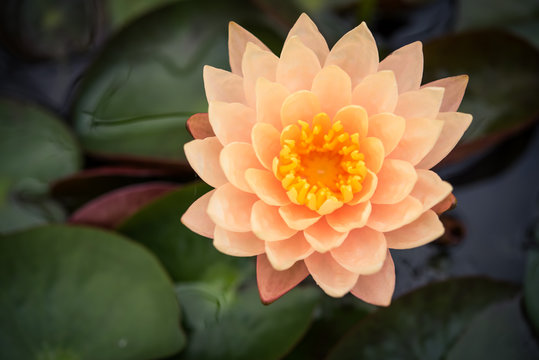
(80, 293)
(121, 12)
(238, 326)
(137, 96)
(494, 13)
(531, 283)
(423, 324)
(499, 332)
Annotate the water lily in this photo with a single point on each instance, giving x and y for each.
(320, 159)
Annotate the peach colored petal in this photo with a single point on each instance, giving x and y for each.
(369, 185)
(298, 217)
(377, 93)
(419, 232)
(356, 53)
(454, 126)
(329, 206)
(266, 143)
(231, 121)
(430, 189)
(238, 38)
(334, 87)
(323, 237)
(235, 159)
(373, 149)
(256, 63)
(455, 87)
(349, 217)
(230, 208)
(363, 252)
(273, 284)
(297, 66)
(269, 99)
(377, 289)
(390, 217)
(306, 30)
(301, 105)
(267, 224)
(196, 217)
(387, 127)
(283, 254)
(407, 64)
(396, 180)
(354, 120)
(237, 243)
(199, 126)
(335, 280)
(221, 85)
(423, 103)
(266, 187)
(203, 156)
(445, 205)
(418, 140)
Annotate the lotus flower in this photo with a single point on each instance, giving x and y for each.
(320, 159)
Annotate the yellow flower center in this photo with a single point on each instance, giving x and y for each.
(319, 163)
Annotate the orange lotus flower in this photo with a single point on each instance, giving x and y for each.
(320, 159)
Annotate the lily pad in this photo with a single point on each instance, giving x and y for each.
(135, 99)
(78, 293)
(237, 326)
(494, 13)
(423, 324)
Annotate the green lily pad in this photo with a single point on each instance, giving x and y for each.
(423, 324)
(499, 332)
(121, 12)
(135, 99)
(531, 283)
(236, 325)
(78, 293)
(186, 255)
(475, 14)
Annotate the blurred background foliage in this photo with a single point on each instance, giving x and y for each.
(94, 263)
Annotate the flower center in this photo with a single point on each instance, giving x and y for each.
(319, 163)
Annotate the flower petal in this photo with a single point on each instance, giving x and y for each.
(455, 87)
(373, 149)
(231, 121)
(430, 189)
(298, 217)
(273, 284)
(363, 252)
(301, 105)
(196, 217)
(238, 38)
(445, 205)
(266, 143)
(418, 140)
(387, 127)
(283, 254)
(256, 63)
(396, 180)
(203, 156)
(269, 99)
(349, 217)
(356, 53)
(354, 120)
(267, 224)
(237, 243)
(369, 185)
(306, 30)
(454, 126)
(407, 64)
(377, 93)
(221, 85)
(378, 288)
(266, 187)
(390, 217)
(323, 237)
(297, 66)
(334, 86)
(425, 229)
(230, 208)
(335, 280)
(199, 126)
(235, 159)
(423, 103)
